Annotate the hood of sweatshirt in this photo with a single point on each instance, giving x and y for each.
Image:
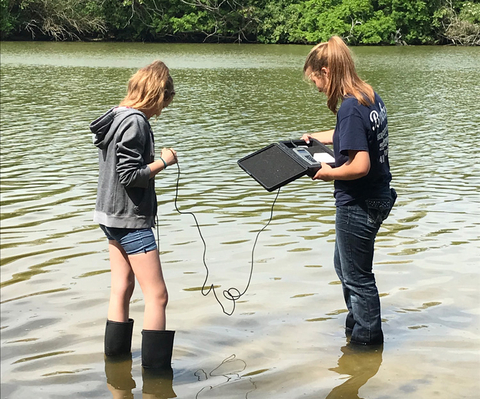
(104, 127)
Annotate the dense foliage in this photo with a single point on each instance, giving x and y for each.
(263, 21)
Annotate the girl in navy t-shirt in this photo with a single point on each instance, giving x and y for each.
(361, 175)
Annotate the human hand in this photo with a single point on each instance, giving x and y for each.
(324, 173)
(306, 137)
(169, 155)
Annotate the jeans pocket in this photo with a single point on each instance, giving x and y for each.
(378, 209)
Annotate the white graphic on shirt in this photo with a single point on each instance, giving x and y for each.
(382, 139)
(377, 119)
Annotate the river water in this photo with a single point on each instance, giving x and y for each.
(285, 338)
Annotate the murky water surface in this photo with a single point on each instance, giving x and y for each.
(285, 338)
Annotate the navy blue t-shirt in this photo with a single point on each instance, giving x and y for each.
(362, 128)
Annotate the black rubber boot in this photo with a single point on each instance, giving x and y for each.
(157, 347)
(118, 337)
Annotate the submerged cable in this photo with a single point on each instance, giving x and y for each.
(232, 294)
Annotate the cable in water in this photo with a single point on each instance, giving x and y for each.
(232, 294)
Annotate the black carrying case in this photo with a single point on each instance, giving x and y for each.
(278, 164)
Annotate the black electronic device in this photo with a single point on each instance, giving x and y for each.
(280, 163)
(306, 156)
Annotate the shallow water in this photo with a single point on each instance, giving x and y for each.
(285, 338)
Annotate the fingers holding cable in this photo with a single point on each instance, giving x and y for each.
(169, 155)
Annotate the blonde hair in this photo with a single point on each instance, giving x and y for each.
(342, 77)
(149, 87)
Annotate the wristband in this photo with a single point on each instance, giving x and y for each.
(164, 163)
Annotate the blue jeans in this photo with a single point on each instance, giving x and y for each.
(356, 228)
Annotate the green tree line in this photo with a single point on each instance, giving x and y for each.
(259, 21)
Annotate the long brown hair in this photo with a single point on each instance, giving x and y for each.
(149, 87)
(342, 77)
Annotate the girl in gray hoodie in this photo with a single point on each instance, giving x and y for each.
(126, 208)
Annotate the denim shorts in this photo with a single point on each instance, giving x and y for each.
(133, 241)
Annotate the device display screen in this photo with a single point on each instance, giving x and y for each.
(305, 155)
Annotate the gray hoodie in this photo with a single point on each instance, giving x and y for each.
(126, 194)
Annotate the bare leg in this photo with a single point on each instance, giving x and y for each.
(148, 271)
(122, 283)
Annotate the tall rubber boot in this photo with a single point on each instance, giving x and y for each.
(157, 347)
(118, 337)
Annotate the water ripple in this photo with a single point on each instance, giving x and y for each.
(232, 101)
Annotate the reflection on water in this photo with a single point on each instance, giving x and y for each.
(288, 328)
(120, 383)
(360, 364)
(230, 380)
(158, 384)
(119, 377)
